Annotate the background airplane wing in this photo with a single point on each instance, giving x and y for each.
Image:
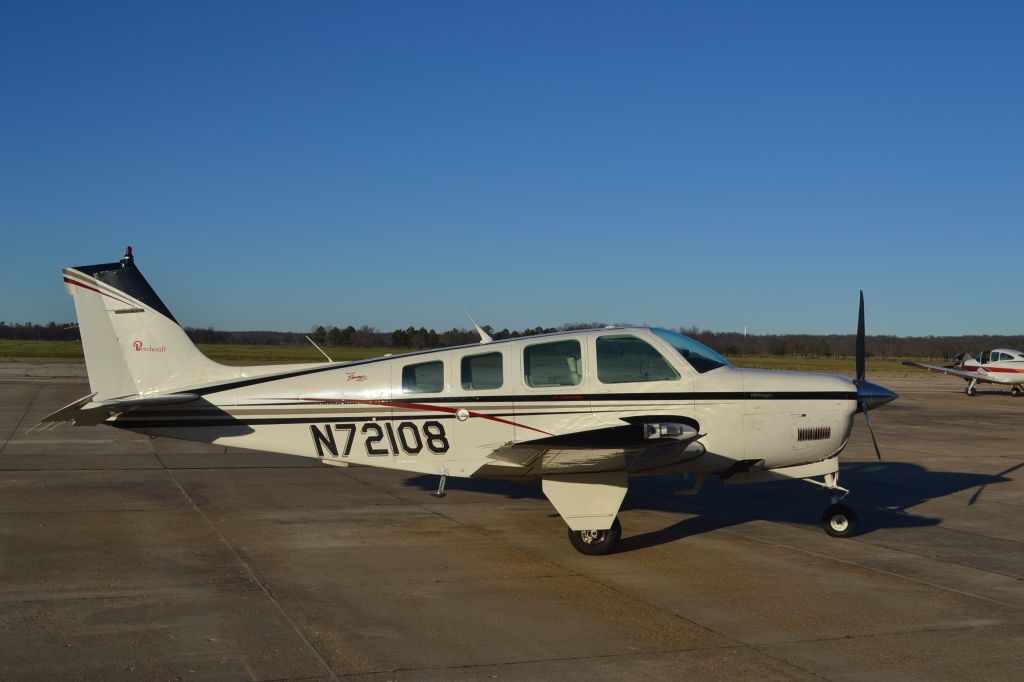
(950, 370)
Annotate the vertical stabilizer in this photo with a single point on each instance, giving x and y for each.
(133, 345)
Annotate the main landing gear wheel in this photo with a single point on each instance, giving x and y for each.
(839, 521)
(1015, 390)
(596, 542)
(971, 390)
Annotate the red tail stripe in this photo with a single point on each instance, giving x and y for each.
(101, 293)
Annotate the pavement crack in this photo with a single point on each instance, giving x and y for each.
(870, 635)
(264, 588)
(561, 659)
(22, 419)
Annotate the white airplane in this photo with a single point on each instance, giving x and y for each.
(1000, 366)
(581, 411)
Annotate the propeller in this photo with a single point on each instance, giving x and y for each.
(869, 395)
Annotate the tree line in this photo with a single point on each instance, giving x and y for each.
(728, 343)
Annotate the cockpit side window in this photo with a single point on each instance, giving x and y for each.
(624, 358)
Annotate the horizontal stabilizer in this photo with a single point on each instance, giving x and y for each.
(84, 412)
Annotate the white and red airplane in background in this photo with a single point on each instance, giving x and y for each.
(999, 366)
(579, 412)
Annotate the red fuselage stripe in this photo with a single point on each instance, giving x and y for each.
(416, 406)
(1011, 370)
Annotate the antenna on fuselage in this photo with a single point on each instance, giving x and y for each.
(484, 336)
(319, 349)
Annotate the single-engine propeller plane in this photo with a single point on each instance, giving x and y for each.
(999, 366)
(580, 411)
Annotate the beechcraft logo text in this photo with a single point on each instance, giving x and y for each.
(140, 348)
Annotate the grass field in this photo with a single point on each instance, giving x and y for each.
(822, 364)
(235, 354)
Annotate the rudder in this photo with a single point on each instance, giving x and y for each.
(133, 345)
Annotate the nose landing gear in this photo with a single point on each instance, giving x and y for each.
(839, 520)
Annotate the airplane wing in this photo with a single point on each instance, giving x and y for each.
(638, 447)
(952, 371)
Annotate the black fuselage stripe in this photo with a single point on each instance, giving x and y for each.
(159, 419)
(636, 401)
(220, 421)
(595, 397)
(340, 417)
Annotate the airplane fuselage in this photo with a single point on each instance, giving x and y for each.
(1001, 366)
(521, 408)
(579, 411)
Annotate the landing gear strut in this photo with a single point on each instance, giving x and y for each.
(596, 542)
(839, 520)
(972, 388)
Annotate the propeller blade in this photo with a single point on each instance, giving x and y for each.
(867, 418)
(860, 340)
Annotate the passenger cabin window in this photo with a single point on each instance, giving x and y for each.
(559, 363)
(982, 358)
(426, 377)
(622, 359)
(482, 372)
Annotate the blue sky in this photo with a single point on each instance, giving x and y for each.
(280, 165)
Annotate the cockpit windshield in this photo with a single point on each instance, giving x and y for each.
(700, 357)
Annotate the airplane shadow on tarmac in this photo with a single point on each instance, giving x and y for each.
(883, 495)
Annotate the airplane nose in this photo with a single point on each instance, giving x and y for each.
(871, 395)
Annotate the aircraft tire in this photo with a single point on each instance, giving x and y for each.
(596, 542)
(971, 391)
(839, 521)
(1015, 390)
